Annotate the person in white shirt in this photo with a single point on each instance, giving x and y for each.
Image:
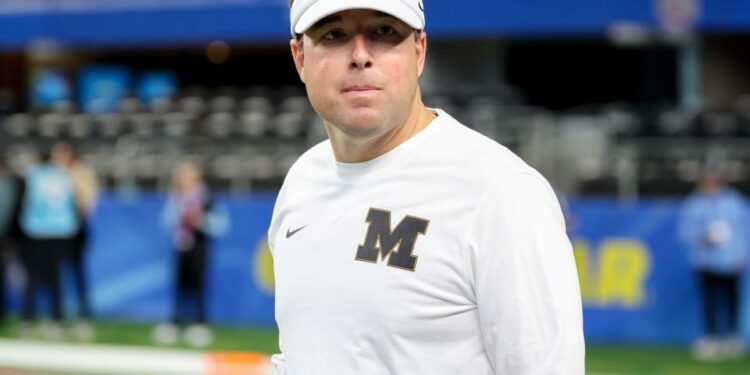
(407, 243)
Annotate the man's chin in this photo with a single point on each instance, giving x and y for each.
(362, 123)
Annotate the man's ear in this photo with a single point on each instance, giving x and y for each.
(421, 52)
(298, 54)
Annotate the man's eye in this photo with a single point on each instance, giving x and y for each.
(332, 35)
(385, 30)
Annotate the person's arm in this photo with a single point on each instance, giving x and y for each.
(525, 280)
(215, 220)
(690, 230)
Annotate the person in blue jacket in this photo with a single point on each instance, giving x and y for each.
(715, 227)
(49, 220)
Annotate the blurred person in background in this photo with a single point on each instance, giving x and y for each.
(406, 235)
(86, 188)
(191, 218)
(715, 227)
(49, 220)
(10, 193)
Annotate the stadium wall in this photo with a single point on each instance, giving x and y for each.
(96, 23)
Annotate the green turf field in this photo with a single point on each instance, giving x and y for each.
(262, 340)
(600, 359)
(661, 361)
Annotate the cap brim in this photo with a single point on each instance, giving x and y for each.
(322, 9)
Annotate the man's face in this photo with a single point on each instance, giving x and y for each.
(360, 68)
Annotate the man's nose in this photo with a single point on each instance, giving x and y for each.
(361, 56)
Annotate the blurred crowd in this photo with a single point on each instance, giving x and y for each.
(44, 227)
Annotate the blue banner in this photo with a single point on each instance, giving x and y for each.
(636, 283)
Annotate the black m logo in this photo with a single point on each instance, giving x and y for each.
(381, 243)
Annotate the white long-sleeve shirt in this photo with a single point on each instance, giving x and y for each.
(446, 255)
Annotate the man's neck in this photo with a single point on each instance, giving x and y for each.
(348, 149)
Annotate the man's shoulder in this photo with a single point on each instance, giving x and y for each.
(481, 156)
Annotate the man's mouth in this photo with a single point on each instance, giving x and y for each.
(360, 88)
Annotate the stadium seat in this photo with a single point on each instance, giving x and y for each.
(81, 126)
(224, 103)
(194, 105)
(225, 170)
(177, 124)
(291, 124)
(51, 125)
(110, 125)
(295, 104)
(23, 157)
(220, 124)
(258, 104)
(19, 125)
(254, 124)
(143, 124)
(261, 166)
(163, 105)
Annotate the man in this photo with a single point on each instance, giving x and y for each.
(407, 243)
(714, 226)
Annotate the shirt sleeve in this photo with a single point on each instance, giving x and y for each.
(273, 227)
(689, 228)
(216, 221)
(525, 280)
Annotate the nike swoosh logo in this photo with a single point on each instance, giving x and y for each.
(290, 233)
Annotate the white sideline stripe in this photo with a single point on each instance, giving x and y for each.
(99, 359)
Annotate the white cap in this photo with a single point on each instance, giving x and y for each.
(306, 13)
